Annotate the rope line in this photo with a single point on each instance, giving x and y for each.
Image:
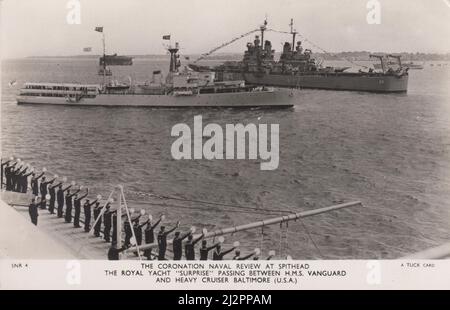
(280, 243)
(305, 39)
(206, 209)
(203, 56)
(310, 238)
(163, 197)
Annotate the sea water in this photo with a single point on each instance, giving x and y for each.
(390, 151)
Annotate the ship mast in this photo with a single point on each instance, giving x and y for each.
(174, 57)
(263, 28)
(104, 57)
(293, 32)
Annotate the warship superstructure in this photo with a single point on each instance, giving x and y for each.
(296, 68)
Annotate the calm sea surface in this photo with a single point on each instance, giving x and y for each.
(392, 152)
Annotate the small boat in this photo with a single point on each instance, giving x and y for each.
(115, 60)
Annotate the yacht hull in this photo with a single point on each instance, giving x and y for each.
(281, 98)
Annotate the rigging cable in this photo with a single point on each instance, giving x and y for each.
(319, 48)
(163, 197)
(262, 239)
(203, 56)
(208, 209)
(281, 240)
(310, 237)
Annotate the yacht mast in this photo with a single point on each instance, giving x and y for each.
(104, 58)
(174, 57)
(294, 33)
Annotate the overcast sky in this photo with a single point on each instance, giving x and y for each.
(39, 27)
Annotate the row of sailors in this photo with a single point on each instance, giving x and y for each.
(51, 193)
(16, 175)
(142, 231)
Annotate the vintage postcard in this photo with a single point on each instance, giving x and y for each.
(235, 144)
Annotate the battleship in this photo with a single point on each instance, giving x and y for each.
(181, 88)
(298, 69)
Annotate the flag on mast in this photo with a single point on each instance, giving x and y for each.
(166, 37)
(99, 29)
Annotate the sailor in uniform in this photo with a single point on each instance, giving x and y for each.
(128, 232)
(33, 210)
(149, 235)
(162, 240)
(238, 256)
(60, 199)
(87, 214)
(204, 250)
(218, 254)
(114, 227)
(97, 219)
(44, 187)
(68, 214)
(44, 191)
(19, 180)
(177, 245)
(77, 206)
(189, 246)
(15, 178)
(25, 182)
(35, 184)
(52, 192)
(8, 175)
(138, 230)
(114, 252)
(4, 167)
(107, 220)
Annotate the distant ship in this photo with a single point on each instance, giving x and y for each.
(180, 89)
(296, 68)
(115, 60)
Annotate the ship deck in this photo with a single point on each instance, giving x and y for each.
(60, 239)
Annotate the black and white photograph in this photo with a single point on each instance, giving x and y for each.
(290, 140)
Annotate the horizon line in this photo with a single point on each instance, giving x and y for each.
(218, 54)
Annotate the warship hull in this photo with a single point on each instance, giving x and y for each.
(342, 81)
(259, 99)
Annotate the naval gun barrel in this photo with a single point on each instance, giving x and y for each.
(273, 221)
